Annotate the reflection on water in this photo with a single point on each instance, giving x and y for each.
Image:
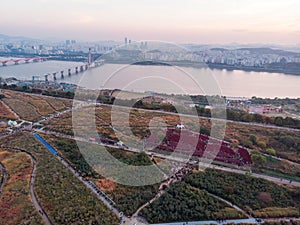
(168, 79)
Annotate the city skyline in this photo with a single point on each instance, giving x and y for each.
(209, 22)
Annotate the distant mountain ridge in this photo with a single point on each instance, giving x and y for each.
(4, 36)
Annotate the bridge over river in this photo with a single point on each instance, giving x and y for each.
(70, 71)
(18, 61)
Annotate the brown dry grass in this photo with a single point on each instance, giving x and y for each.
(33, 107)
(6, 113)
(106, 185)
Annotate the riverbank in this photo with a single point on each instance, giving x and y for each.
(284, 69)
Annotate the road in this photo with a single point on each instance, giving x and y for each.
(238, 221)
(3, 178)
(266, 177)
(295, 116)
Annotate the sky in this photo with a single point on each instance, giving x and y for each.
(181, 21)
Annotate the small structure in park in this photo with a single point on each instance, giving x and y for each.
(12, 123)
(180, 126)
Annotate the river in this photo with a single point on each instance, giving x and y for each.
(166, 79)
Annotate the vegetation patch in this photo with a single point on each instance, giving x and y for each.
(6, 113)
(33, 107)
(183, 202)
(64, 197)
(247, 192)
(127, 198)
(16, 206)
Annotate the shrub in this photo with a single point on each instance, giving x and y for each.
(271, 151)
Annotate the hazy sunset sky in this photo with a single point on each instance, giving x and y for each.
(197, 21)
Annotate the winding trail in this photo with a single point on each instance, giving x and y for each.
(31, 183)
(3, 178)
(34, 199)
(231, 204)
(157, 196)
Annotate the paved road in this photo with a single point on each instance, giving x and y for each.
(266, 177)
(3, 178)
(250, 221)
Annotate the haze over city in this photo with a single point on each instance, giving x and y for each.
(192, 21)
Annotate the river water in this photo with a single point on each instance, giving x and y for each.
(166, 79)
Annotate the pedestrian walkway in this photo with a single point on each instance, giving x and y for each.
(252, 221)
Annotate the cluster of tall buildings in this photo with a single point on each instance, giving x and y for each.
(68, 46)
(245, 57)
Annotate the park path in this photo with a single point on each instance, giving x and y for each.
(238, 221)
(34, 199)
(157, 196)
(231, 204)
(3, 178)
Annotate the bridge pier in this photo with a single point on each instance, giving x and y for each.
(54, 76)
(62, 74)
(69, 72)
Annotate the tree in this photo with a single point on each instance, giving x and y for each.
(265, 197)
(278, 121)
(253, 139)
(204, 130)
(262, 144)
(258, 159)
(271, 151)
(248, 144)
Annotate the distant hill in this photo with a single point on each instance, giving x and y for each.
(8, 38)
